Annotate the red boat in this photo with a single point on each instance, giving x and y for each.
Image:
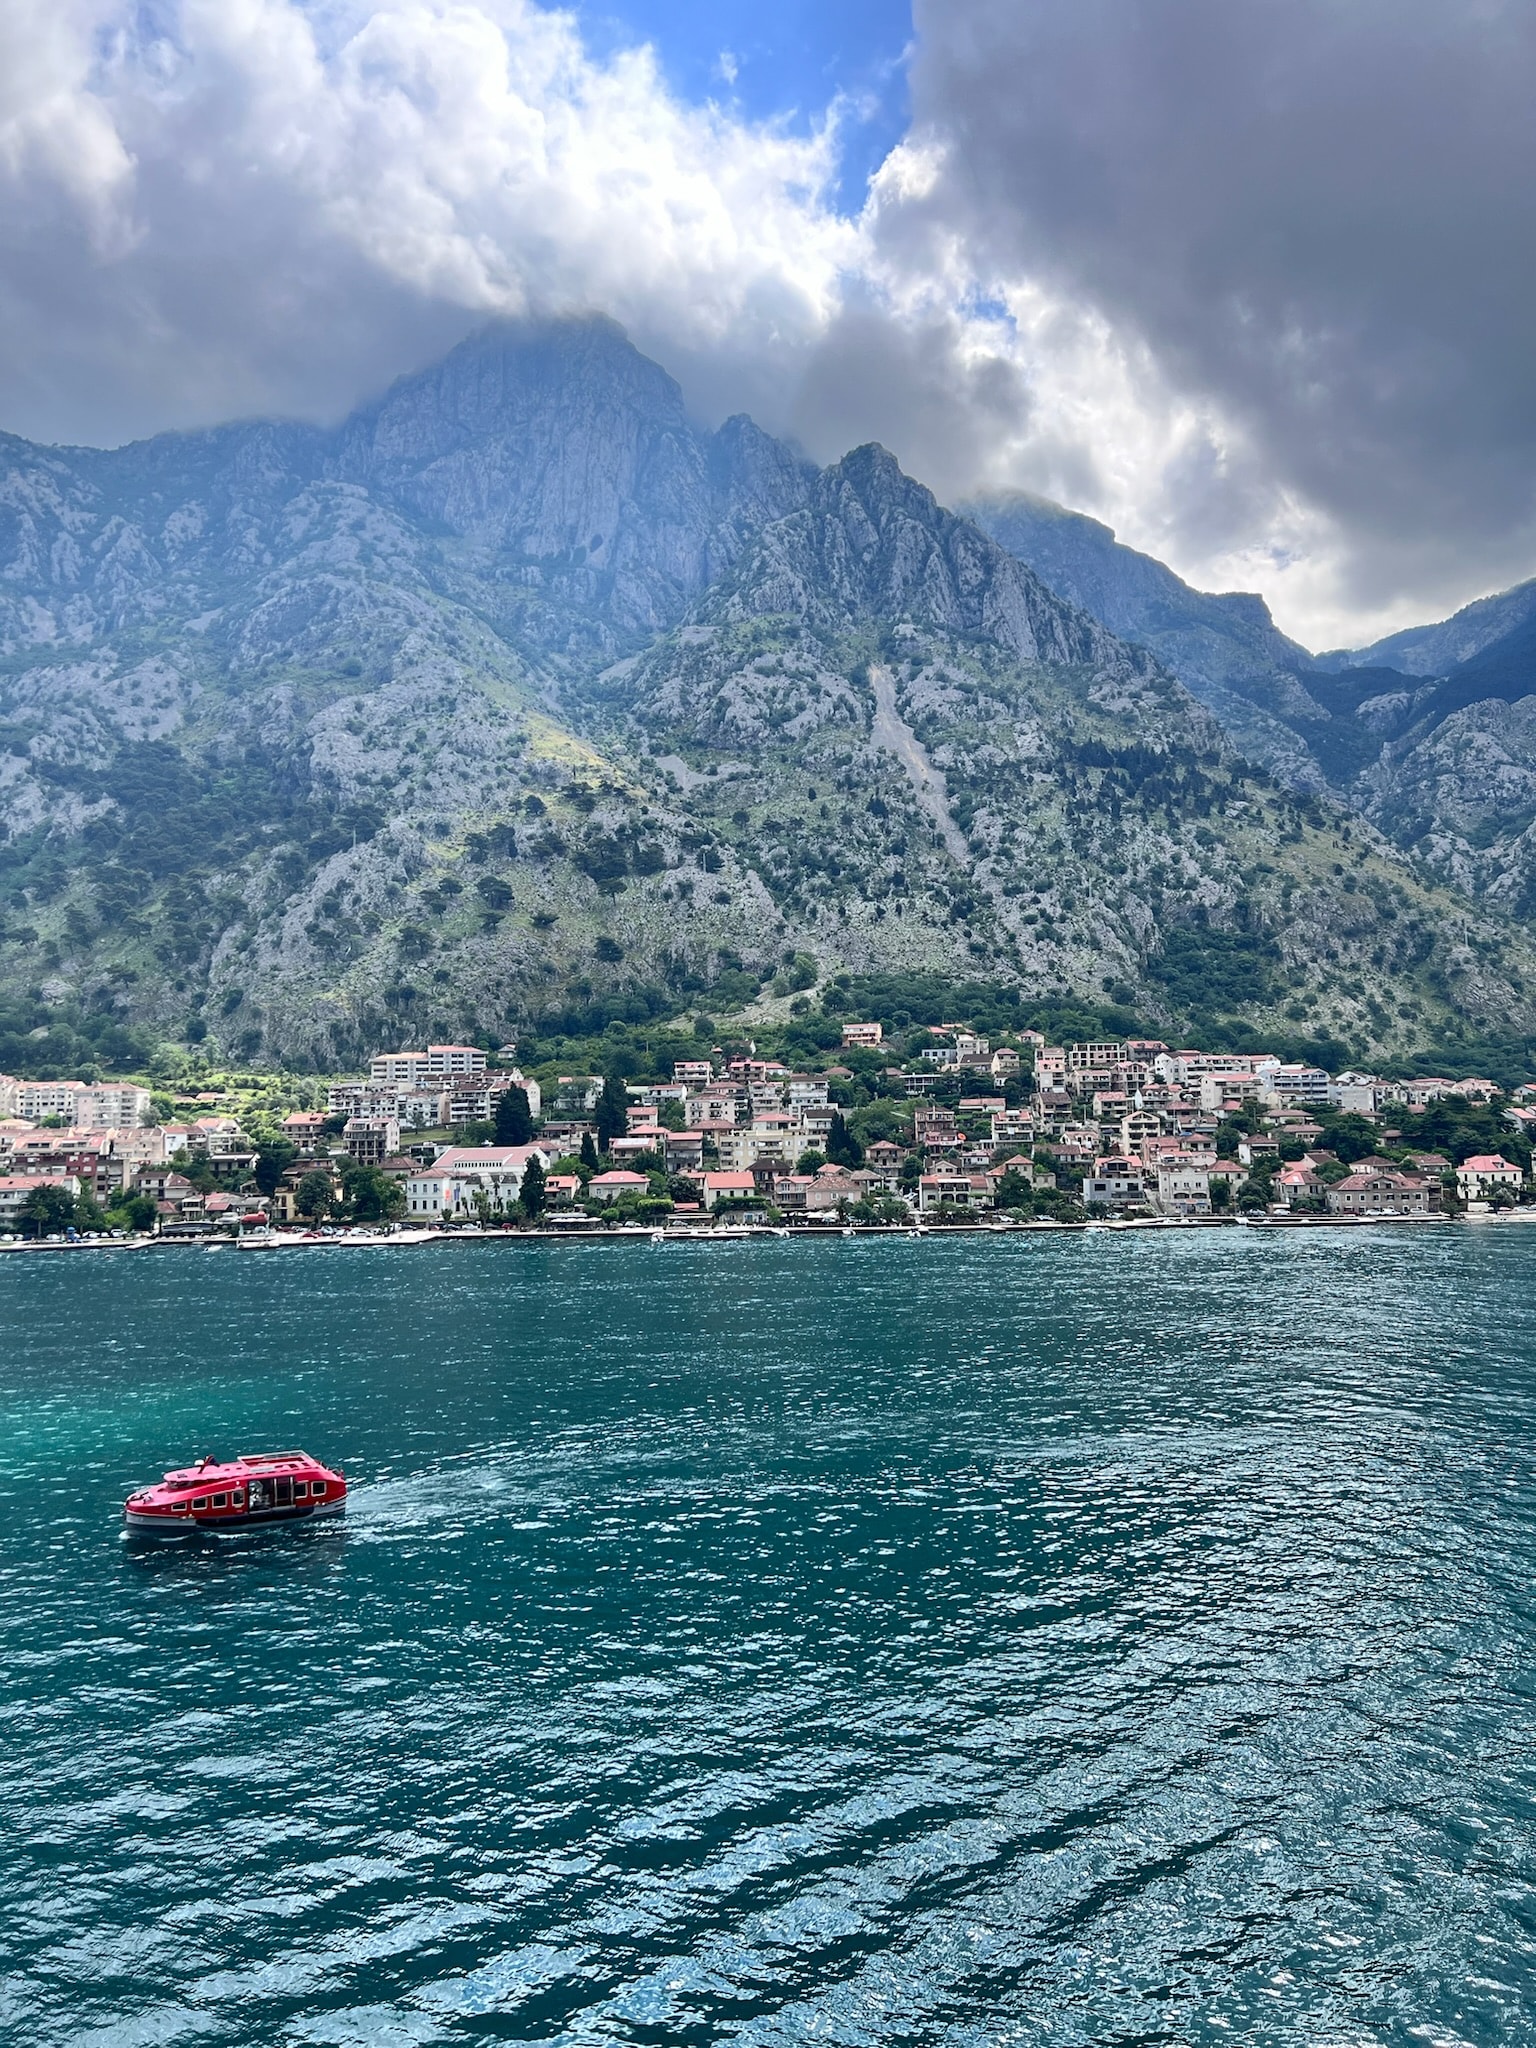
(240, 1493)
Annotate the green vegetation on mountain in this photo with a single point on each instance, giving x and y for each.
(520, 703)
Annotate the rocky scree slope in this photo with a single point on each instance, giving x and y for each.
(519, 692)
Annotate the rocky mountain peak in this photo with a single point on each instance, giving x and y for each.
(870, 542)
(559, 445)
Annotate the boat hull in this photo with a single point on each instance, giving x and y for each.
(224, 1523)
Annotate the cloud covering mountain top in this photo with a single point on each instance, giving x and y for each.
(1251, 284)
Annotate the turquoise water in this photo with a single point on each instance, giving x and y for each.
(1095, 1639)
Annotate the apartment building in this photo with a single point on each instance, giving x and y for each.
(436, 1063)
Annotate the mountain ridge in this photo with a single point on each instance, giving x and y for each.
(310, 736)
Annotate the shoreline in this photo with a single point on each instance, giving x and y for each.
(660, 1234)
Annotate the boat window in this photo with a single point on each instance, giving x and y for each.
(237, 1500)
(198, 1504)
(300, 1489)
(221, 1500)
(282, 1491)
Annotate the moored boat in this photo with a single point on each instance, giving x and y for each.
(238, 1493)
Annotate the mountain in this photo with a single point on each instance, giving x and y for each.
(521, 694)
(1426, 734)
(1437, 650)
(1225, 648)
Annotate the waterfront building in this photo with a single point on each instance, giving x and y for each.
(16, 1189)
(495, 1170)
(1183, 1185)
(1476, 1178)
(612, 1187)
(1381, 1194)
(1116, 1182)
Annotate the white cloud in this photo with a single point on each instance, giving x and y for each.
(218, 207)
(300, 200)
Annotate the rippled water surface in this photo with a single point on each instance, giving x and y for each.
(1099, 1639)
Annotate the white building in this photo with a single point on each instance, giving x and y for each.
(1293, 1083)
(420, 1069)
(1216, 1089)
(1476, 1178)
(775, 1139)
(15, 1188)
(111, 1106)
(421, 1109)
(430, 1195)
(1362, 1093)
(1183, 1186)
(362, 1098)
(495, 1171)
(1185, 1069)
(1012, 1127)
(1115, 1183)
(37, 1100)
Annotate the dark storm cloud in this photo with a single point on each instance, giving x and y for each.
(913, 383)
(1317, 213)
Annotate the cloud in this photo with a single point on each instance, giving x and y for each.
(1248, 282)
(1315, 220)
(248, 204)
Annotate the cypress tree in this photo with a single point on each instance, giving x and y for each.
(843, 1148)
(514, 1122)
(612, 1118)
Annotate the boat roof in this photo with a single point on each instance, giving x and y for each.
(256, 1463)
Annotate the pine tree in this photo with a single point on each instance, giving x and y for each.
(531, 1194)
(588, 1151)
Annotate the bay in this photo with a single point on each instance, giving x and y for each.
(1105, 1638)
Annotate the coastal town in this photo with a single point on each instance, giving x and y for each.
(936, 1127)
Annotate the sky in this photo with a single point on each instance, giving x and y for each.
(1253, 282)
